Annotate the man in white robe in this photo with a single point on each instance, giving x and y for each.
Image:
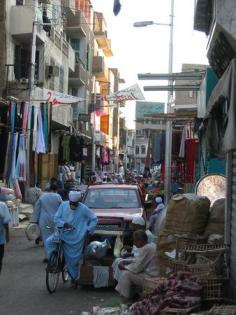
(137, 269)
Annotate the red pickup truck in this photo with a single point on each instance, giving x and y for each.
(115, 206)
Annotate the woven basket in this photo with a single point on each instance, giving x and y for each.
(223, 310)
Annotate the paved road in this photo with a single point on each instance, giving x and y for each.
(22, 285)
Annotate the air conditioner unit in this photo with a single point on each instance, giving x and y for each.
(24, 80)
(52, 71)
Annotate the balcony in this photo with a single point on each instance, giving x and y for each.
(69, 6)
(21, 25)
(63, 115)
(99, 69)
(77, 25)
(100, 32)
(78, 77)
(104, 43)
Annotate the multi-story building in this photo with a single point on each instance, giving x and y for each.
(187, 100)
(217, 19)
(144, 132)
(71, 45)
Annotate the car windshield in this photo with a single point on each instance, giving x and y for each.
(111, 198)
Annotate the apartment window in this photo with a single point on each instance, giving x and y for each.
(143, 149)
(22, 62)
(19, 2)
(137, 149)
(75, 43)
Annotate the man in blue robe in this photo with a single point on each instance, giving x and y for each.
(5, 219)
(44, 211)
(73, 214)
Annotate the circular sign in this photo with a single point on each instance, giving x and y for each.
(212, 186)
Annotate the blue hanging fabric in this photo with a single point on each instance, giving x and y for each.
(13, 152)
(13, 116)
(8, 163)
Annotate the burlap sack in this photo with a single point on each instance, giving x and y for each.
(187, 213)
(216, 221)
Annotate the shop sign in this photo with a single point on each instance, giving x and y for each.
(57, 98)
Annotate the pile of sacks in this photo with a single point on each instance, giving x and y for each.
(190, 219)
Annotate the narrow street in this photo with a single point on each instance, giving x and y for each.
(23, 290)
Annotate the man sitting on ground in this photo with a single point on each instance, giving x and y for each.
(137, 269)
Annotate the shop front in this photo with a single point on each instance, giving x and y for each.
(220, 124)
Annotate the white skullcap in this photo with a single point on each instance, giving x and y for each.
(138, 221)
(158, 200)
(74, 196)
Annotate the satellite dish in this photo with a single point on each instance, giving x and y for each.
(212, 186)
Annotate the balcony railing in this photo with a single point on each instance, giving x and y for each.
(77, 25)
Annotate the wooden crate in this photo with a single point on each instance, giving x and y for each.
(86, 276)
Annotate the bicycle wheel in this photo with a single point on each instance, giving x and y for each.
(52, 272)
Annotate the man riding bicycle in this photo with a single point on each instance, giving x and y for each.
(82, 221)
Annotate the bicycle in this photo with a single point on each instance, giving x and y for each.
(56, 264)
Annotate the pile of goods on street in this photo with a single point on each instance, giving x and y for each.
(178, 291)
(191, 249)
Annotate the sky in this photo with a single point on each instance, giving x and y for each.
(146, 50)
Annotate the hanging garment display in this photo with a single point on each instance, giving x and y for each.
(44, 113)
(104, 155)
(3, 145)
(25, 118)
(13, 164)
(66, 147)
(191, 147)
(20, 172)
(40, 143)
(76, 148)
(12, 116)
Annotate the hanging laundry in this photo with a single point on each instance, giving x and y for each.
(21, 160)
